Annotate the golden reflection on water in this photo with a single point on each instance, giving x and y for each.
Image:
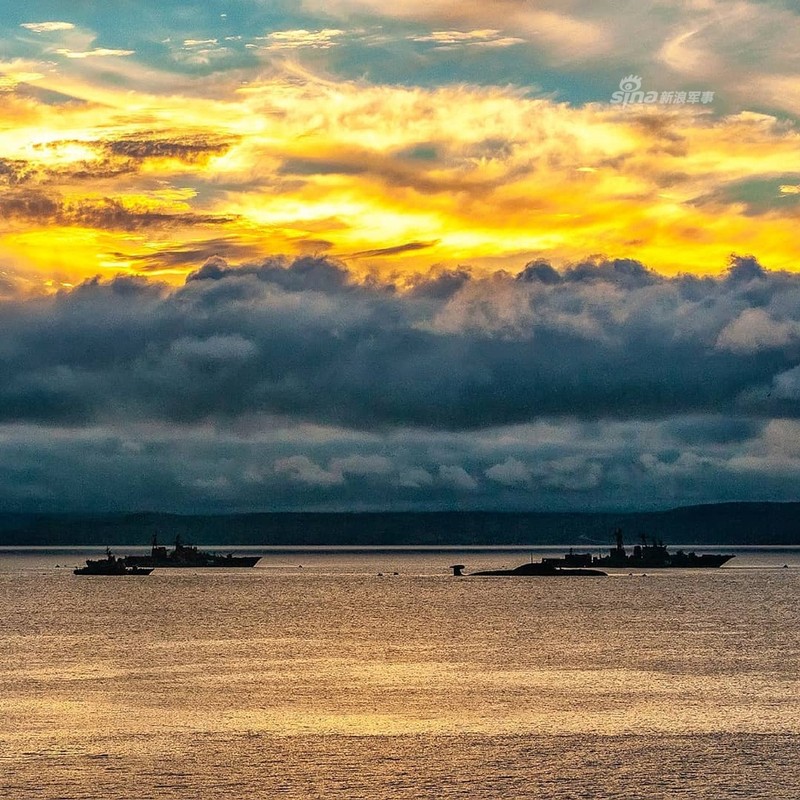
(222, 662)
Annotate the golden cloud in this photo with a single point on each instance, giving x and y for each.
(481, 175)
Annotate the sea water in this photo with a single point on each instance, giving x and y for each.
(376, 674)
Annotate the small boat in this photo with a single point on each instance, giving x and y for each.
(110, 565)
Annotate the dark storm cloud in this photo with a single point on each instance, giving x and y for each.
(279, 464)
(601, 340)
(712, 430)
(622, 272)
(408, 247)
(293, 384)
(106, 213)
(14, 171)
(96, 170)
(188, 149)
(398, 170)
(113, 158)
(189, 254)
(305, 274)
(440, 285)
(110, 214)
(29, 204)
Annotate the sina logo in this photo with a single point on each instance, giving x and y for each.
(630, 91)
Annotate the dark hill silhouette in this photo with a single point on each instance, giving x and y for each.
(725, 523)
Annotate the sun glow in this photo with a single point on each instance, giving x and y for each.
(481, 175)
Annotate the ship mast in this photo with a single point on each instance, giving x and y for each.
(620, 548)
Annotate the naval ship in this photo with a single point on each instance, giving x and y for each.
(188, 556)
(648, 555)
(110, 565)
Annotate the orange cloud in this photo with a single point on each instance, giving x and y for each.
(106, 180)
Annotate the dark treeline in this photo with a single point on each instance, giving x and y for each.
(729, 523)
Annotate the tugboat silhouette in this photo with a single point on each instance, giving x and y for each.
(110, 565)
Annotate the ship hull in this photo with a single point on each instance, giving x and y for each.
(113, 572)
(213, 562)
(543, 570)
(675, 561)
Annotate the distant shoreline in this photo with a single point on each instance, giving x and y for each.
(401, 548)
(727, 524)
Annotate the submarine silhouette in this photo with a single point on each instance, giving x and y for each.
(531, 569)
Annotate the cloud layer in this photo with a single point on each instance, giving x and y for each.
(173, 150)
(298, 379)
(602, 340)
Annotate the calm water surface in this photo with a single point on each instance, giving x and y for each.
(314, 676)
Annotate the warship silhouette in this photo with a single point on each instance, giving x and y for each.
(188, 556)
(111, 565)
(647, 555)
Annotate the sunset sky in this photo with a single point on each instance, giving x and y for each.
(354, 254)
